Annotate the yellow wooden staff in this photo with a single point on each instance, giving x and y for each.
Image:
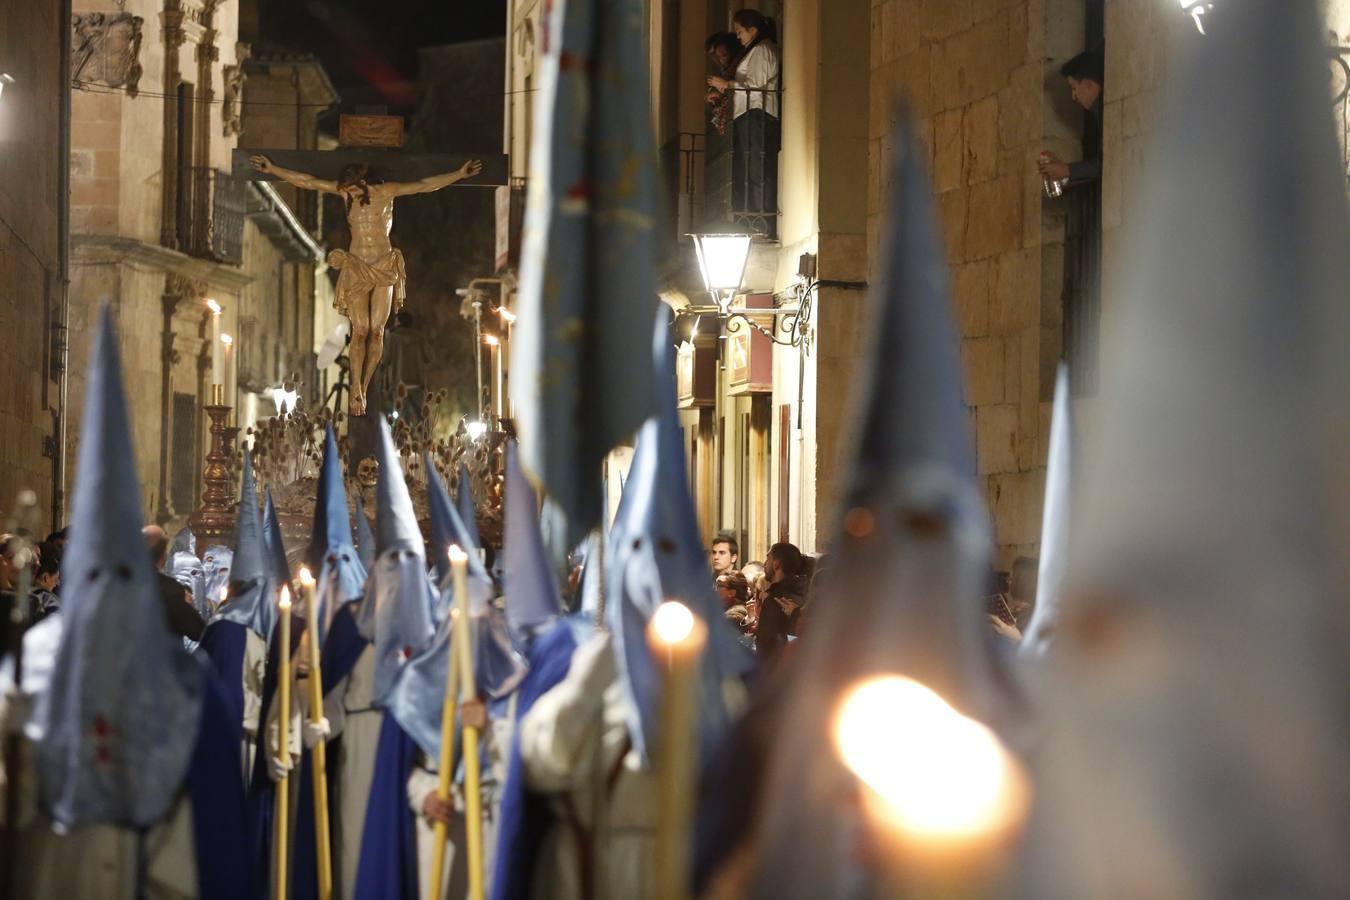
(280, 825)
(318, 756)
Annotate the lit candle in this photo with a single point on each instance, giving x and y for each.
(280, 826)
(227, 342)
(224, 595)
(676, 638)
(318, 755)
(942, 792)
(217, 359)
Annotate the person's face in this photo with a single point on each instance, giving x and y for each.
(49, 581)
(1023, 586)
(1084, 92)
(722, 558)
(745, 35)
(722, 56)
(726, 593)
(772, 570)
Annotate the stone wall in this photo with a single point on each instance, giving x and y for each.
(29, 271)
(972, 75)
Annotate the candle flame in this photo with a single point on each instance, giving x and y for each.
(938, 773)
(457, 555)
(672, 622)
(224, 592)
(226, 340)
(305, 577)
(490, 340)
(215, 307)
(285, 598)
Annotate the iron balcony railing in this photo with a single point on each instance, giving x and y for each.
(212, 205)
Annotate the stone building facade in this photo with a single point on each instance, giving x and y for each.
(30, 248)
(161, 225)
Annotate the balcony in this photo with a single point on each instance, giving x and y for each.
(211, 208)
(740, 175)
(510, 224)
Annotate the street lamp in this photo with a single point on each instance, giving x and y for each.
(721, 259)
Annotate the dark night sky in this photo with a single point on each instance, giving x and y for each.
(369, 47)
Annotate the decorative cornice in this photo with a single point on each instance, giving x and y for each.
(96, 249)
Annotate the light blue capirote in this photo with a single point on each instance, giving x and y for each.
(121, 713)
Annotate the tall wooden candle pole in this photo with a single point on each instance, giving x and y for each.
(447, 757)
(473, 800)
(318, 754)
(676, 638)
(280, 826)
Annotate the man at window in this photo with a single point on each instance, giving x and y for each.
(1085, 74)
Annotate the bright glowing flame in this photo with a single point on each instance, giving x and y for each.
(491, 340)
(305, 577)
(475, 429)
(673, 622)
(224, 592)
(226, 340)
(216, 308)
(938, 773)
(285, 601)
(457, 555)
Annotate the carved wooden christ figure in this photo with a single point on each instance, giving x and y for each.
(372, 283)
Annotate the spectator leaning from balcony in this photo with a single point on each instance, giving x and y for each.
(723, 52)
(1086, 75)
(757, 133)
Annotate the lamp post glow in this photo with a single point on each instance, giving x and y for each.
(939, 787)
(676, 638)
(722, 259)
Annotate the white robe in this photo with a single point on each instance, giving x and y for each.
(351, 715)
(574, 744)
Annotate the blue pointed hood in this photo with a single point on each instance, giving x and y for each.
(121, 714)
(332, 527)
(1055, 523)
(397, 615)
(530, 590)
(903, 589)
(448, 528)
(395, 518)
(278, 567)
(250, 587)
(332, 552)
(365, 535)
(1197, 691)
(657, 555)
(468, 506)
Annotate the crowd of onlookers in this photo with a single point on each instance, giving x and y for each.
(769, 601)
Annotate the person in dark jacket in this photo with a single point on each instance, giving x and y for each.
(786, 570)
(1086, 75)
(182, 619)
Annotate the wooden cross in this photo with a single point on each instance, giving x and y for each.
(375, 141)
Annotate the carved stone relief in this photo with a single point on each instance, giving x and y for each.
(107, 49)
(232, 103)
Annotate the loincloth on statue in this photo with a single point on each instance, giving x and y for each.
(359, 277)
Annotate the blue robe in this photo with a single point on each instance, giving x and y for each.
(225, 870)
(388, 865)
(526, 816)
(224, 643)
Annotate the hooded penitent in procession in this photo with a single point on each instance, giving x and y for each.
(1196, 697)
(903, 593)
(132, 734)
(236, 639)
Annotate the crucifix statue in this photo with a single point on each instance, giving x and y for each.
(372, 282)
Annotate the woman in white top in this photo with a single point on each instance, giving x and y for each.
(756, 132)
